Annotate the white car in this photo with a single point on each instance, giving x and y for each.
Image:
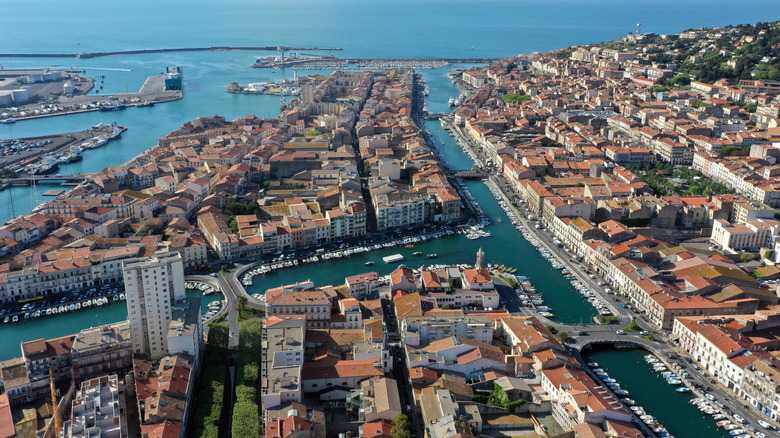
(738, 418)
(709, 396)
(764, 424)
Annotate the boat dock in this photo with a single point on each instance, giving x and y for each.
(151, 92)
(170, 50)
(23, 149)
(330, 63)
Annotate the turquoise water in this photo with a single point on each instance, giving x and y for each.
(433, 28)
(506, 246)
(403, 28)
(651, 391)
(72, 322)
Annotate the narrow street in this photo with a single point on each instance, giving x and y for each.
(583, 335)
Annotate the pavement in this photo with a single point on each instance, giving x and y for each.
(609, 334)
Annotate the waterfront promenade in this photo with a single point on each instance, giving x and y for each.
(584, 336)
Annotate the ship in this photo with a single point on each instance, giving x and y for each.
(116, 131)
(115, 107)
(452, 101)
(70, 157)
(8, 121)
(47, 165)
(145, 104)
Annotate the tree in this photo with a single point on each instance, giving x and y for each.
(241, 303)
(681, 80)
(401, 427)
(563, 336)
(313, 133)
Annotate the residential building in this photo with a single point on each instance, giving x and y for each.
(152, 287)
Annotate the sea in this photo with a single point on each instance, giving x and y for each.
(399, 28)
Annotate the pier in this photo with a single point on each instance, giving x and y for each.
(150, 51)
(330, 63)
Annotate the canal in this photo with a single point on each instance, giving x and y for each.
(650, 390)
(506, 246)
(72, 322)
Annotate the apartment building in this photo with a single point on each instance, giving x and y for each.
(152, 287)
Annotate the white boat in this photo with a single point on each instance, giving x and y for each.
(393, 258)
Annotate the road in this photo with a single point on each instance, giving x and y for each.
(600, 333)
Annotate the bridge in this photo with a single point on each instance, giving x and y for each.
(24, 180)
(431, 116)
(470, 174)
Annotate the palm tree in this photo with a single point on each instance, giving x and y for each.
(241, 303)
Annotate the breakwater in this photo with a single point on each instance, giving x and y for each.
(332, 63)
(169, 50)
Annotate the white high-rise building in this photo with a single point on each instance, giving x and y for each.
(307, 93)
(152, 286)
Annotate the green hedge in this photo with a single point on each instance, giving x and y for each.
(246, 411)
(246, 417)
(209, 399)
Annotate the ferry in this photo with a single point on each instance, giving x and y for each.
(115, 107)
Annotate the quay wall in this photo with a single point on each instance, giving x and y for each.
(145, 51)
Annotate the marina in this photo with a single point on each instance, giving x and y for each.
(504, 247)
(69, 322)
(655, 401)
(330, 62)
